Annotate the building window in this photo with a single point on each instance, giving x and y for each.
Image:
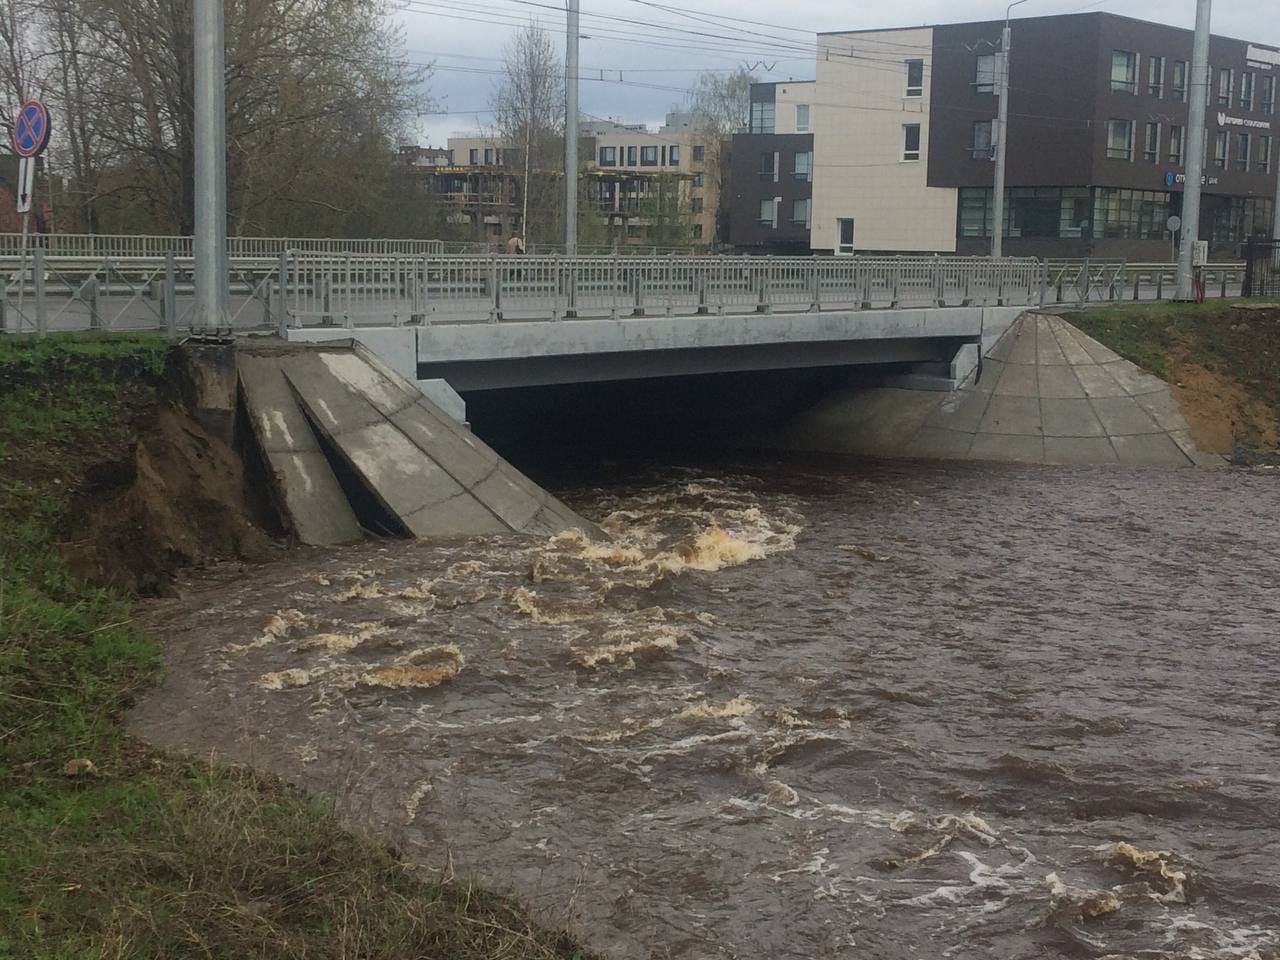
(699, 178)
(1151, 144)
(1120, 139)
(608, 156)
(1131, 214)
(1155, 77)
(474, 156)
(980, 148)
(762, 115)
(975, 212)
(1220, 148)
(802, 118)
(1175, 145)
(1124, 71)
(844, 237)
(695, 231)
(1242, 152)
(803, 172)
(767, 211)
(631, 156)
(634, 230)
(699, 153)
(1269, 94)
(985, 78)
(769, 167)
(488, 156)
(1051, 212)
(1178, 86)
(695, 205)
(1246, 91)
(800, 211)
(1264, 154)
(673, 155)
(1226, 81)
(649, 156)
(1235, 219)
(910, 141)
(915, 78)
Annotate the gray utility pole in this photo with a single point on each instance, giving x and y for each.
(1002, 135)
(211, 274)
(571, 131)
(1199, 94)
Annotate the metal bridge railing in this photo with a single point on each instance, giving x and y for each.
(124, 246)
(297, 288)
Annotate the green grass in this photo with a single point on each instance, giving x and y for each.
(150, 856)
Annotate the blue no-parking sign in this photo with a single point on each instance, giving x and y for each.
(31, 129)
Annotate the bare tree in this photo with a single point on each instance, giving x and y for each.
(721, 106)
(528, 107)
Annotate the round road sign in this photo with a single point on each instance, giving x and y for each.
(1174, 224)
(31, 129)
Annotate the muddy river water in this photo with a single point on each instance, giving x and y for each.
(796, 710)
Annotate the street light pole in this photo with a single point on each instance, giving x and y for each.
(571, 131)
(1199, 93)
(1002, 135)
(212, 312)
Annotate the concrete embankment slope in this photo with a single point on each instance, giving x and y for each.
(352, 445)
(1046, 393)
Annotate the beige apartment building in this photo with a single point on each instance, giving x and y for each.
(871, 146)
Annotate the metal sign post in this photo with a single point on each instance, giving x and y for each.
(30, 137)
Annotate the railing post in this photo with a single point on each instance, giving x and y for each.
(4, 307)
(347, 320)
(1087, 273)
(700, 278)
(815, 287)
(326, 298)
(169, 298)
(42, 305)
(939, 281)
(762, 302)
(571, 288)
(637, 282)
(895, 295)
(415, 307)
(1044, 282)
(1223, 274)
(1160, 284)
(495, 291)
(282, 301)
(89, 297)
(860, 270)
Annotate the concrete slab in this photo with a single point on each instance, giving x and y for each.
(1004, 346)
(1135, 380)
(991, 372)
(1024, 346)
(932, 443)
(1152, 450)
(1018, 380)
(419, 462)
(306, 487)
(1007, 448)
(1164, 410)
(1012, 415)
(1059, 382)
(1096, 350)
(1070, 418)
(1097, 382)
(1048, 353)
(1068, 344)
(964, 412)
(1071, 450)
(1122, 417)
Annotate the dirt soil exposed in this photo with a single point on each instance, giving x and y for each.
(183, 495)
(1222, 361)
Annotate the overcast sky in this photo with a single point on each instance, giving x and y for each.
(660, 51)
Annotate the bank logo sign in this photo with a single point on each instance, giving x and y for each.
(1225, 121)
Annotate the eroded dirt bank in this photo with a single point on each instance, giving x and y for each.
(795, 710)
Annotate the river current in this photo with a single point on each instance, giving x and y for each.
(795, 709)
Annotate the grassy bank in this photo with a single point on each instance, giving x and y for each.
(108, 849)
(1222, 361)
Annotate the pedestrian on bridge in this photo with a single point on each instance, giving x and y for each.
(515, 245)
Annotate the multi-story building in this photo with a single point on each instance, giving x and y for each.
(633, 165)
(903, 126)
(771, 171)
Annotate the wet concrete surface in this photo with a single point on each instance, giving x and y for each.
(795, 710)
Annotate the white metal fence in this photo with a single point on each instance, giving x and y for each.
(132, 246)
(304, 288)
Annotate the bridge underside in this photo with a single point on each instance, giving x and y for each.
(494, 356)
